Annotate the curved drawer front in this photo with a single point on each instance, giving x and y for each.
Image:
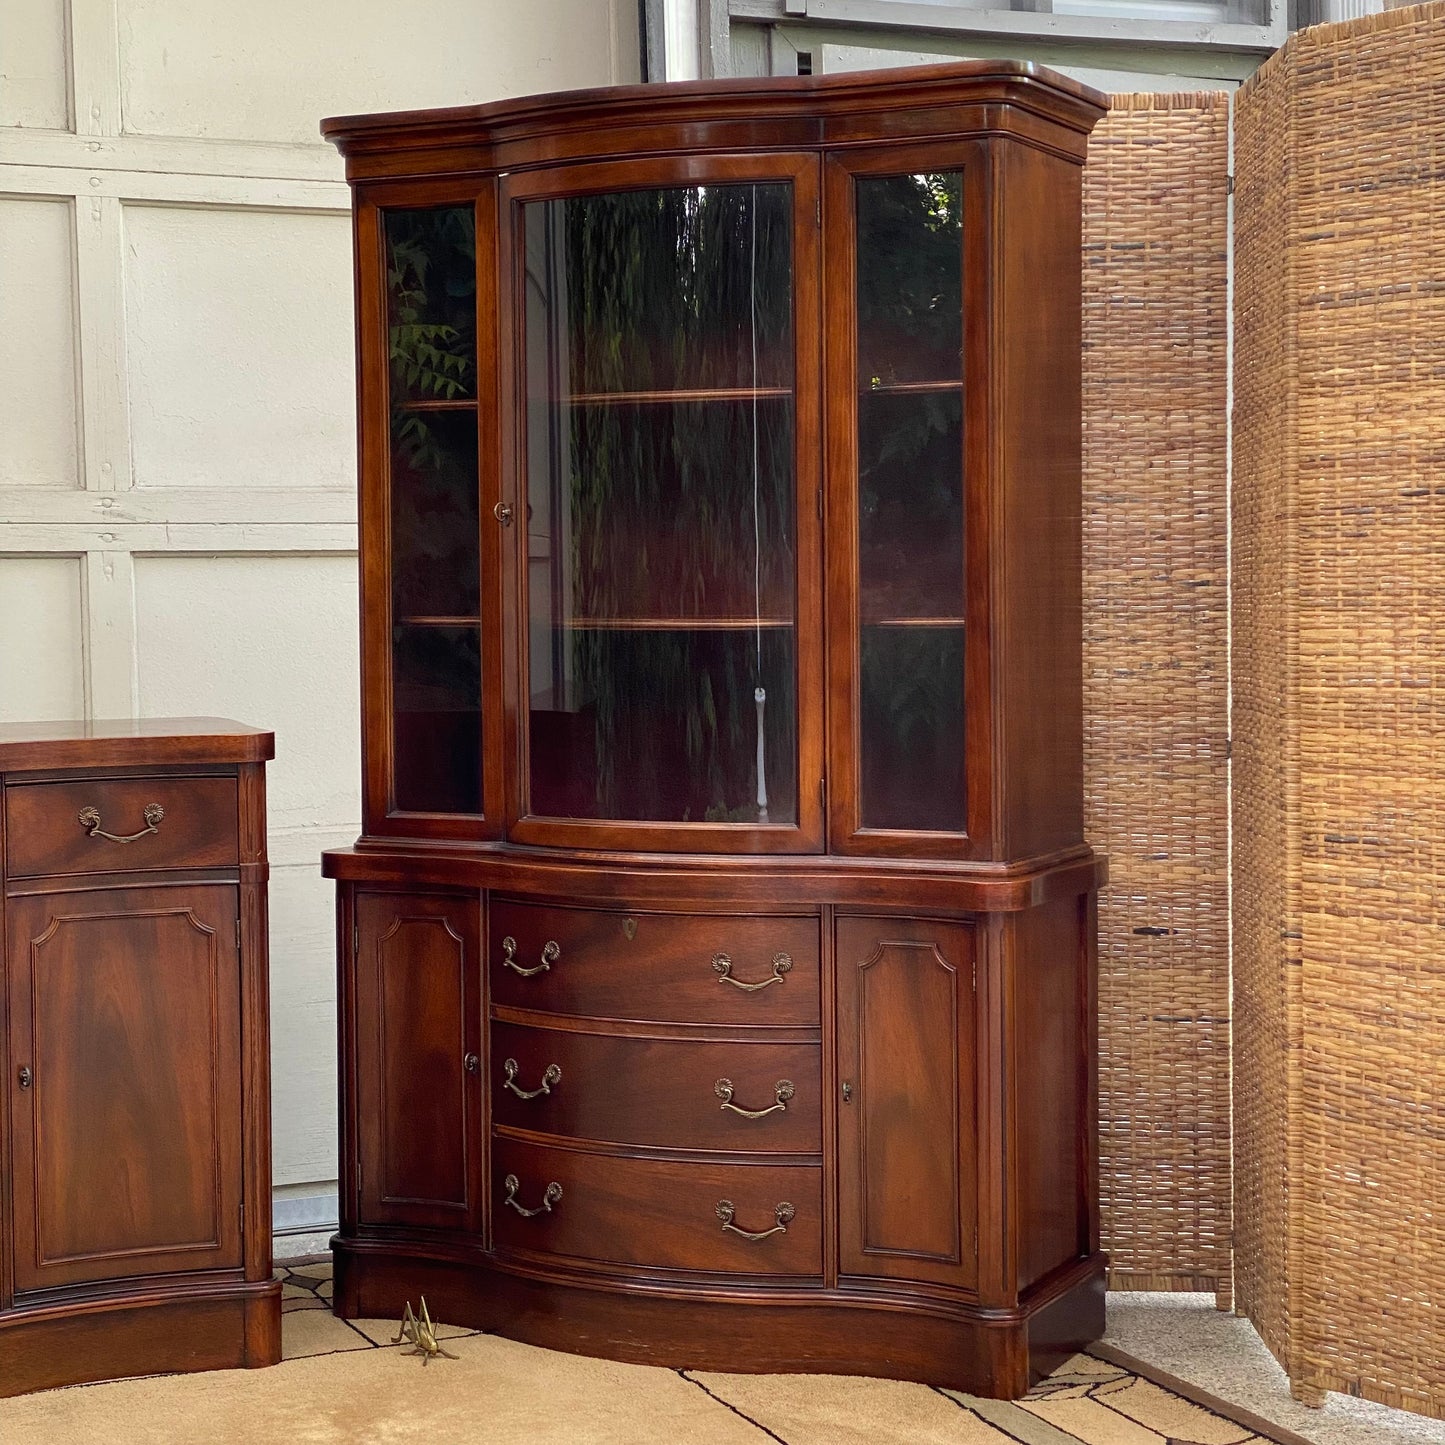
(667, 1093)
(657, 1213)
(664, 967)
(120, 825)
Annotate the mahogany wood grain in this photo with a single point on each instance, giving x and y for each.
(949, 1232)
(658, 1213)
(666, 970)
(1048, 974)
(126, 1012)
(135, 1163)
(906, 1132)
(418, 1019)
(105, 743)
(231, 1327)
(658, 1091)
(744, 1327)
(46, 835)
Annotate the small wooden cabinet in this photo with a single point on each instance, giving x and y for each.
(716, 964)
(135, 1142)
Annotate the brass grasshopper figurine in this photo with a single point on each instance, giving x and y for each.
(422, 1335)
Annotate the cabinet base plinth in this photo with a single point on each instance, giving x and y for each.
(110, 1339)
(993, 1353)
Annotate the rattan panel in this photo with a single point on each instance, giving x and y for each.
(1340, 712)
(1155, 608)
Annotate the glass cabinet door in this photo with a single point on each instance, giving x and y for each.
(905, 443)
(662, 392)
(435, 643)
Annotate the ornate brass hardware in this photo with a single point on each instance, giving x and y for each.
(503, 513)
(552, 1074)
(722, 965)
(551, 952)
(782, 1093)
(26, 1078)
(550, 1196)
(847, 1092)
(152, 813)
(471, 1063)
(783, 1213)
(422, 1334)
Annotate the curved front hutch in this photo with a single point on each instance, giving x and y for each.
(716, 964)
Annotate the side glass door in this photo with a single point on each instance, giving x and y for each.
(426, 397)
(899, 529)
(668, 466)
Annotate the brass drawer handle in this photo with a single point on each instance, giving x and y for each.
(552, 1074)
(550, 1196)
(782, 1093)
(722, 965)
(551, 952)
(152, 813)
(783, 1213)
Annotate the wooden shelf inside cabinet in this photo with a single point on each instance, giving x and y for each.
(468, 403)
(656, 398)
(909, 388)
(439, 621)
(673, 624)
(956, 623)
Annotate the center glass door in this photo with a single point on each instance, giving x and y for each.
(668, 526)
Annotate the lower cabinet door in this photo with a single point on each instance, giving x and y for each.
(907, 1162)
(417, 1059)
(125, 1092)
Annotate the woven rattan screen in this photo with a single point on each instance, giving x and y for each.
(1340, 707)
(1155, 513)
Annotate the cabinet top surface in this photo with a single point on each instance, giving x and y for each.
(119, 742)
(851, 98)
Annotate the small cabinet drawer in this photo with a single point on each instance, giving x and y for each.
(120, 825)
(664, 967)
(668, 1093)
(659, 1214)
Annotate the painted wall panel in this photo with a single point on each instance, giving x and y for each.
(41, 676)
(216, 69)
(32, 64)
(271, 641)
(38, 432)
(239, 348)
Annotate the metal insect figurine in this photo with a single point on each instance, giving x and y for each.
(422, 1334)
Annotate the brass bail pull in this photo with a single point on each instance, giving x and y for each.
(722, 965)
(89, 818)
(783, 1213)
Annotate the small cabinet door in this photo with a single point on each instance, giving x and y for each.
(906, 1128)
(418, 1025)
(126, 1080)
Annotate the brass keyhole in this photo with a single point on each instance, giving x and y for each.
(26, 1078)
(847, 1092)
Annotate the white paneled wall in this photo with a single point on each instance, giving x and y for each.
(177, 428)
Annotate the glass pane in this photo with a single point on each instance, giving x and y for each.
(435, 565)
(910, 501)
(661, 552)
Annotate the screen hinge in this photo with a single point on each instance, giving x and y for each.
(238, 934)
(823, 794)
(820, 504)
(818, 213)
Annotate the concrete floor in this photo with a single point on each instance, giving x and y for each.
(1185, 1335)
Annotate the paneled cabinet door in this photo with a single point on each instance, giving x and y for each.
(418, 1071)
(906, 1127)
(125, 1041)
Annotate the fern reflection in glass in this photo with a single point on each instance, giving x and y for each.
(910, 501)
(435, 581)
(661, 550)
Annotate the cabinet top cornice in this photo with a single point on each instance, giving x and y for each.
(905, 105)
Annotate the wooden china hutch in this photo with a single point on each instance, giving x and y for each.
(716, 964)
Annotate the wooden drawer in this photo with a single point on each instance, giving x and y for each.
(665, 967)
(668, 1093)
(657, 1213)
(157, 822)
